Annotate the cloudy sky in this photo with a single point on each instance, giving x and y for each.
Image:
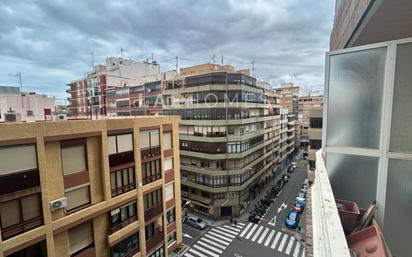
(51, 42)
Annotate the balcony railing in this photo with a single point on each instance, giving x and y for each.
(19, 181)
(155, 240)
(327, 232)
(150, 153)
(121, 225)
(21, 228)
(121, 158)
(151, 179)
(153, 211)
(123, 189)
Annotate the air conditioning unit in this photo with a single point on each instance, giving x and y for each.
(12, 117)
(58, 203)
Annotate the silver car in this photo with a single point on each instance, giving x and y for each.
(195, 222)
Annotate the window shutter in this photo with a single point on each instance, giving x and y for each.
(124, 143)
(26, 160)
(73, 159)
(169, 191)
(80, 237)
(167, 164)
(167, 141)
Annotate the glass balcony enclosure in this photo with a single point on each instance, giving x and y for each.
(367, 136)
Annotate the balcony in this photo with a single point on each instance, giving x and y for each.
(153, 212)
(19, 181)
(155, 240)
(151, 179)
(121, 158)
(149, 154)
(123, 189)
(21, 228)
(121, 225)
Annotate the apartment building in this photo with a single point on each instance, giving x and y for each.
(229, 138)
(90, 188)
(283, 143)
(306, 104)
(315, 117)
(367, 143)
(87, 95)
(24, 106)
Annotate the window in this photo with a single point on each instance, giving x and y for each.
(16, 212)
(150, 230)
(149, 139)
(316, 122)
(80, 237)
(120, 143)
(152, 199)
(73, 158)
(122, 215)
(151, 171)
(171, 238)
(169, 191)
(27, 158)
(167, 141)
(127, 247)
(122, 181)
(168, 164)
(78, 197)
(171, 216)
(157, 253)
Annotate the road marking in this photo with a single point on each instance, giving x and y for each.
(213, 243)
(227, 230)
(205, 250)
(210, 247)
(220, 236)
(233, 228)
(188, 255)
(251, 231)
(289, 247)
(269, 238)
(197, 253)
(282, 244)
(296, 252)
(246, 229)
(215, 239)
(303, 252)
(242, 224)
(257, 233)
(263, 236)
(275, 242)
(223, 233)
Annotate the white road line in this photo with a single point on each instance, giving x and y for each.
(303, 252)
(282, 244)
(246, 229)
(227, 230)
(289, 247)
(272, 233)
(240, 223)
(251, 231)
(210, 247)
(221, 237)
(296, 252)
(213, 243)
(205, 251)
(257, 234)
(233, 228)
(217, 240)
(223, 233)
(197, 253)
(189, 255)
(263, 236)
(275, 242)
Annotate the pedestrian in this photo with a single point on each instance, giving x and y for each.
(235, 222)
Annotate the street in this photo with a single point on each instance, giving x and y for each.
(268, 238)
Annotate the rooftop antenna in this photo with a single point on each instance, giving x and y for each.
(92, 53)
(213, 58)
(19, 76)
(177, 65)
(253, 68)
(222, 62)
(152, 57)
(122, 53)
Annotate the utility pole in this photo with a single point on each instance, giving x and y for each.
(122, 53)
(213, 58)
(177, 65)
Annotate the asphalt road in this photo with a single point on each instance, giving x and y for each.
(248, 239)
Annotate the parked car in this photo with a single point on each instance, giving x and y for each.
(195, 221)
(303, 191)
(298, 207)
(292, 220)
(285, 179)
(290, 169)
(301, 202)
(306, 182)
(293, 164)
(301, 195)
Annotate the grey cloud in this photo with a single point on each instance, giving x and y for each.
(51, 41)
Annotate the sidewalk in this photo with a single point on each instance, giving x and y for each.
(244, 216)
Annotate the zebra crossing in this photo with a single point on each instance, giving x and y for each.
(276, 240)
(215, 241)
